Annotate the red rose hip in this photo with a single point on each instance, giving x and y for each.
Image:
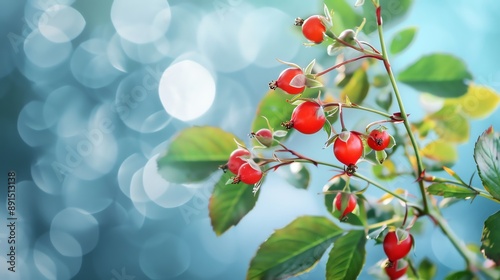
(314, 29)
(396, 249)
(378, 139)
(307, 118)
(235, 160)
(349, 151)
(290, 80)
(350, 205)
(248, 174)
(395, 271)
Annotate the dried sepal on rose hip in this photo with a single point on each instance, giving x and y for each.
(397, 244)
(345, 203)
(308, 118)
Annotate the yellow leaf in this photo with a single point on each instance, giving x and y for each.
(478, 102)
(441, 151)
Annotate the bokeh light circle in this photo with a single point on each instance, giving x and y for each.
(140, 21)
(80, 225)
(256, 40)
(92, 196)
(217, 38)
(31, 126)
(187, 90)
(163, 193)
(127, 170)
(146, 53)
(51, 263)
(66, 109)
(90, 64)
(61, 23)
(47, 175)
(185, 21)
(65, 244)
(137, 100)
(44, 53)
(164, 256)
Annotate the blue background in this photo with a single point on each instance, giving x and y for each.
(83, 122)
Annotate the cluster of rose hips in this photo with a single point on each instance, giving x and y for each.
(309, 117)
(397, 244)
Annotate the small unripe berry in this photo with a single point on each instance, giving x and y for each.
(264, 136)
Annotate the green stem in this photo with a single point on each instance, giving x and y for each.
(420, 166)
(386, 222)
(355, 106)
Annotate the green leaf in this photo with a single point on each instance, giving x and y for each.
(384, 99)
(195, 153)
(450, 124)
(441, 151)
(347, 256)
(276, 109)
(487, 155)
(478, 102)
(402, 40)
(293, 249)
(392, 13)
(296, 174)
(490, 239)
(380, 156)
(357, 87)
(443, 75)
(424, 127)
(450, 190)
(461, 275)
(380, 81)
(345, 17)
(229, 203)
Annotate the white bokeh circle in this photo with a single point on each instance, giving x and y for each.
(187, 90)
(140, 21)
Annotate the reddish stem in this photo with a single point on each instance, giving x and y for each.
(379, 15)
(299, 156)
(347, 62)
